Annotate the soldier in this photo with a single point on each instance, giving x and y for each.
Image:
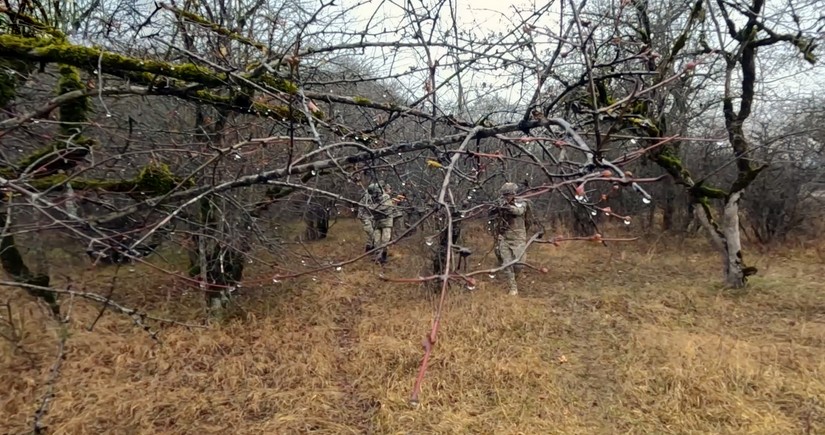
(382, 231)
(365, 214)
(510, 221)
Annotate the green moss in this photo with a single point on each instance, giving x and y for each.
(42, 152)
(679, 44)
(157, 178)
(806, 47)
(360, 100)
(672, 164)
(604, 97)
(700, 190)
(8, 84)
(48, 50)
(218, 29)
(279, 84)
(39, 165)
(56, 181)
(75, 112)
(142, 71)
(643, 123)
(30, 24)
(640, 108)
(153, 179)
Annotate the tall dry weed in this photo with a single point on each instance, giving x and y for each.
(634, 338)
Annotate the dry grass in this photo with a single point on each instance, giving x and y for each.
(635, 339)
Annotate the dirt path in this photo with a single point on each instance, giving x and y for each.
(359, 408)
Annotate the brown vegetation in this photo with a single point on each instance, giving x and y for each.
(634, 338)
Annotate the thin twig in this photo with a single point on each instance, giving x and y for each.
(54, 372)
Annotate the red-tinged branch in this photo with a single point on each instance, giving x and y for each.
(632, 156)
(540, 190)
(448, 216)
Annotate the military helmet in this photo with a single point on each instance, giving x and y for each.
(508, 189)
(374, 189)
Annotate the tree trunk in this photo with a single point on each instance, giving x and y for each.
(727, 240)
(12, 262)
(582, 222)
(316, 219)
(651, 218)
(668, 209)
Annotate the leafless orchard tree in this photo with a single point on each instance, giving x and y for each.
(129, 126)
(716, 43)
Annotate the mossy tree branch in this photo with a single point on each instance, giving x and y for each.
(153, 179)
(56, 51)
(24, 24)
(142, 71)
(182, 76)
(73, 112)
(197, 19)
(70, 148)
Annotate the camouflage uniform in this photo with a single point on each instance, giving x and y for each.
(509, 225)
(382, 231)
(365, 215)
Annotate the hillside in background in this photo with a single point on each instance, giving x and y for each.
(634, 338)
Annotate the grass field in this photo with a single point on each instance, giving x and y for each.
(636, 338)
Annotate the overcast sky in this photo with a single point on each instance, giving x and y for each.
(781, 75)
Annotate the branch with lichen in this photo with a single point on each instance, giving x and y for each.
(43, 49)
(72, 112)
(56, 51)
(18, 18)
(153, 179)
(70, 147)
(220, 30)
(146, 72)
